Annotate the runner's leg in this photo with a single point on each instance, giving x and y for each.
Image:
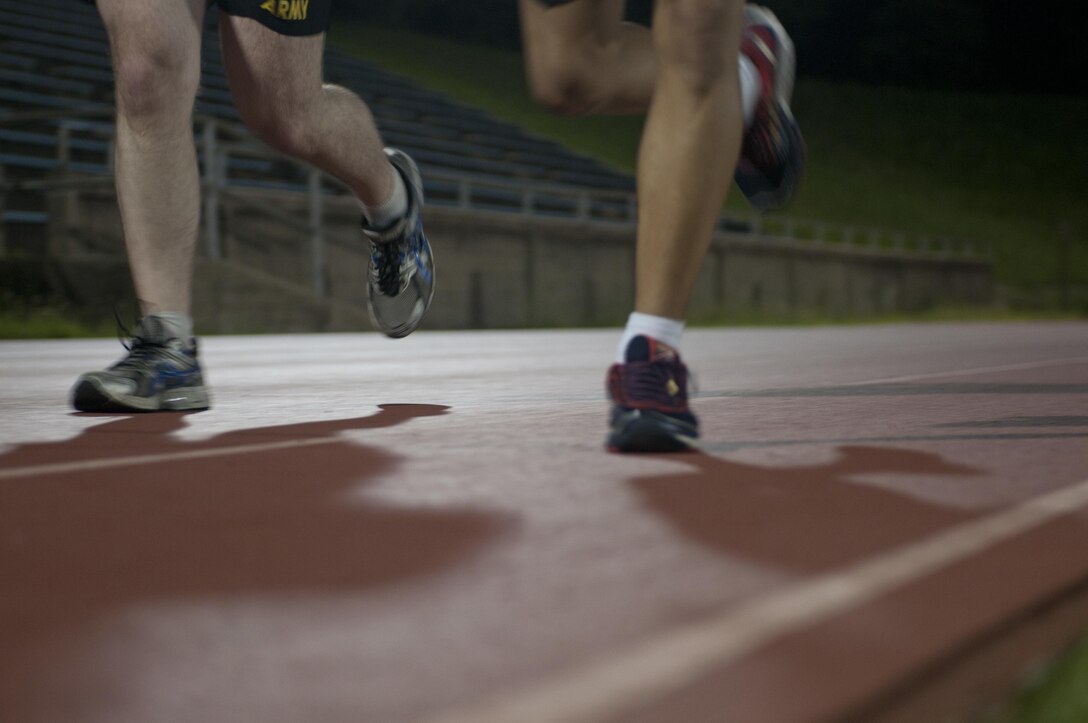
(277, 84)
(695, 115)
(582, 58)
(156, 58)
(280, 94)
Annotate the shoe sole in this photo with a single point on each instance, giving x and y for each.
(764, 197)
(770, 199)
(90, 396)
(646, 431)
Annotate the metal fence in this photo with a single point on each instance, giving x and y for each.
(234, 165)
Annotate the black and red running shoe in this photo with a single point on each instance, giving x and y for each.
(649, 393)
(772, 156)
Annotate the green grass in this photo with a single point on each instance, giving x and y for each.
(47, 323)
(490, 79)
(1059, 694)
(999, 168)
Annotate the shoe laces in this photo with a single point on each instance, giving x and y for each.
(658, 383)
(392, 262)
(387, 266)
(142, 351)
(141, 356)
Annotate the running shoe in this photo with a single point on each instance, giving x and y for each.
(649, 393)
(772, 157)
(160, 373)
(401, 270)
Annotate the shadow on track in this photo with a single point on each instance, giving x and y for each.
(803, 519)
(220, 518)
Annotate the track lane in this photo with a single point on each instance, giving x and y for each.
(932, 429)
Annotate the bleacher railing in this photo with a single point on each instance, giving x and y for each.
(229, 154)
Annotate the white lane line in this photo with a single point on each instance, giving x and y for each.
(967, 372)
(909, 377)
(622, 680)
(180, 455)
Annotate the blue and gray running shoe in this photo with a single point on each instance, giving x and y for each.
(649, 393)
(772, 157)
(160, 373)
(401, 271)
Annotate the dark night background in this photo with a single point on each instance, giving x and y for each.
(988, 45)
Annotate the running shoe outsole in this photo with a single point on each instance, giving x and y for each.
(89, 395)
(645, 430)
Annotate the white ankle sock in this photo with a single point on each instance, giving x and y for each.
(174, 325)
(751, 86)
(388, 212)
(663, 329)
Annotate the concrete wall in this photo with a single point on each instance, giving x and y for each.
(495, 271)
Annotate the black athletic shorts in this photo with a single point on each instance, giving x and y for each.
(286, 17)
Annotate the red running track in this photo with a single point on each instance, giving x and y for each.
(887, 523)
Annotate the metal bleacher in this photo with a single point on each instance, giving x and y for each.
(56, 99)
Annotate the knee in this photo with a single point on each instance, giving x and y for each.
(283, 127)
(155, 88)
(569, 83)
(697, 45)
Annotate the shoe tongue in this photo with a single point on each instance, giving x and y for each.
(643, 348)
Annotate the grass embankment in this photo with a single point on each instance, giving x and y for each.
(47, 323)
(998, 168)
